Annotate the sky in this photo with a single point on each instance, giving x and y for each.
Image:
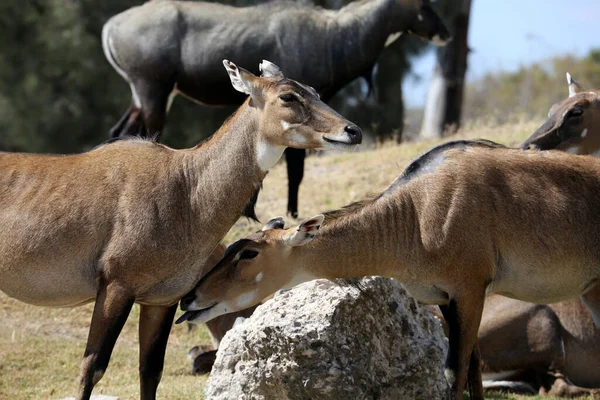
(505, 34)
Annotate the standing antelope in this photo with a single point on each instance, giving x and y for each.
(166, 48)
(554, 344)
(464, 220)
(108, 225)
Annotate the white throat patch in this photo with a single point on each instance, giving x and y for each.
(267, 155)
(392, 38)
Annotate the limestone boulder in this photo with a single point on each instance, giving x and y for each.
(326, 340)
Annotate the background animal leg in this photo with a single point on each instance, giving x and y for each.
(116, 130)
(592, 301)
(294, 159)
(462, 316)
(154, 328)
(113, 304)
(154, 98)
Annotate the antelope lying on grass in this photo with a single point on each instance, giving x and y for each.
(557, 344)
(463, 220)
(108, 225)
(540, 348)
(166, 48)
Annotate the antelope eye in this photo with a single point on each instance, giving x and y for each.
(287, 97)
(248, 254)
(576, 112)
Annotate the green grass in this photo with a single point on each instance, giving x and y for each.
(41, 348)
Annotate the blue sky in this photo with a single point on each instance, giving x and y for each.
(505, 34)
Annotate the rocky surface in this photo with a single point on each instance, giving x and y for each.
(323, 340)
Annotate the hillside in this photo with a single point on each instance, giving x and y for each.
(41, 348)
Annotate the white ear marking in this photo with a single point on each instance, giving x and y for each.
(584, 133)
(269, 70)
(234, 75)
(306, 231)
(574, 86)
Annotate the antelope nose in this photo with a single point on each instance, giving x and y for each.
(355, 134)
(185, 302)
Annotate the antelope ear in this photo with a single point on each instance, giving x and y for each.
(305, 232)
(574, 86)
(270, 70)
(241, 80)
(274, 223)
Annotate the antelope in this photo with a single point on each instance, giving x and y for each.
(167, 48)
(109, 226)
(572, 123)
(556, 343)
(466, 219)
(546, 349)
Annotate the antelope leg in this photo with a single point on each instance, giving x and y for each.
(113, 304)
(463, 316)
(155, 326)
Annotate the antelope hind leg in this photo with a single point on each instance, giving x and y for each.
(154, 329)
(463, 316)
(113, 304)
(592, 301)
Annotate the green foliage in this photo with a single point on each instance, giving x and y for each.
(58, 93)
(531, 90)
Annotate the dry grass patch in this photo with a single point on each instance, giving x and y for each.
(41, 348)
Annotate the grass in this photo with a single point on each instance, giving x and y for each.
(41, 348)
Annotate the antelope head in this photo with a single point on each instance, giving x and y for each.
(573, 124)
(292, 115)
(251, 269)
(425, 22)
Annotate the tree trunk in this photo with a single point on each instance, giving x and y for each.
(445, 97)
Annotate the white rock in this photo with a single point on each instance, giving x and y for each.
(324, 341)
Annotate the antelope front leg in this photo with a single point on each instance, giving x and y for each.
(463, 316)
(113, 304)
(155, 326)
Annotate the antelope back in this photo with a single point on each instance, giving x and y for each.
(573, 124)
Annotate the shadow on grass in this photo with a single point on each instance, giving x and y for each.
(491, 396)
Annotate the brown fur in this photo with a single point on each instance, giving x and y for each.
(108, 225)
(553, 344)
(472, 220)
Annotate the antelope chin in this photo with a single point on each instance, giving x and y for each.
(339, 144)
(195, 316)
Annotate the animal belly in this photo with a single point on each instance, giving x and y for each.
(52, 287)
(542, 284)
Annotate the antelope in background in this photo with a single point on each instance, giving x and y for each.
(464, 220)
(166, 48)
(109, 226)
(552, 346)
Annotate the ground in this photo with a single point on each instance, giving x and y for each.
(41, 348)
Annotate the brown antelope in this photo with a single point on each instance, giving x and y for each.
(464, 220)
(556, 344)
(166, 48)
(109, 226)
(572, 124)
(546, 349)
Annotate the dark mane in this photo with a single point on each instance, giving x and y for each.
(426, 162)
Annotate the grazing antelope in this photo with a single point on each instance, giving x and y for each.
(109, 226)
(166, 48)
(556, 344)
(572, 125)
(466, 219)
